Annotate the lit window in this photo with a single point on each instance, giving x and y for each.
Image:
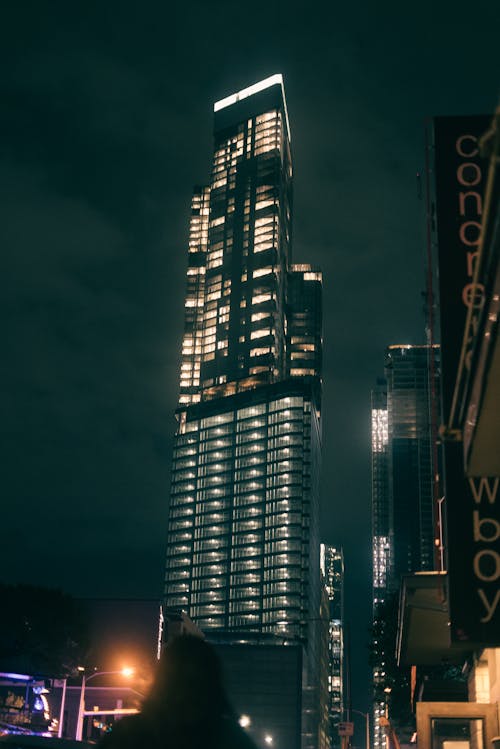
(262, 272)
(312, 276)
(258, 298)
(259, 351)
(260, 204)
(262, 246)
(262, 333)
(219, 183)
(259, 316)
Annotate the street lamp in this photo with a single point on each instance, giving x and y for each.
(81, 707)
(61, 711)
(366, 716)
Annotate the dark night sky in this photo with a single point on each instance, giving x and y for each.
(106, 120)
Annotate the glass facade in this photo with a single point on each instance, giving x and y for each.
(402, 480)
(332, 566)
(239, 550)
(304, 322)
(243, 546)
(382, 537)
(402, 468)
(193, 341)
(250, 317)
(381, 515)
(239, 250)
(407, 370)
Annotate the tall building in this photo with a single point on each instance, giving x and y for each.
(381, 515)
(381, 531)
(239, 250)
(243, 549)
(402, 467)
(410, 458)
(402, 481)
(332, 566)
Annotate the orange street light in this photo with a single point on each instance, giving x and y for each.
(127, 672)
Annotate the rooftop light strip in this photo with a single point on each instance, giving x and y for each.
(250, 91)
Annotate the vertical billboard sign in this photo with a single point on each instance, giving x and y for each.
(473, 507)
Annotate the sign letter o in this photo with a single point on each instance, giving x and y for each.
(469, 174)
(495, 574)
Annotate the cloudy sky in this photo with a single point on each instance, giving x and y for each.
(105, 126)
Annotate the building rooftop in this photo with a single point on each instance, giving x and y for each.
(273, 80)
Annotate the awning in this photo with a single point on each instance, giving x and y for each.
(423, 629)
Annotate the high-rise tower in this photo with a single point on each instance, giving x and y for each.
(402, 484)
(239, 250)
(410, 458)
(381, 511)
(243, 548)
(332, 565)
(402, 467)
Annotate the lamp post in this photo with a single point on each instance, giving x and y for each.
(366, 716)
(81, 706)
(61, 712)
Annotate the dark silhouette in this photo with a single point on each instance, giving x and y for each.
(42, 630)
(187, 707)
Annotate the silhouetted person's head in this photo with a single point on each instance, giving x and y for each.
(187, 707)
(188, 686)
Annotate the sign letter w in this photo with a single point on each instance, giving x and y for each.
(484, 487)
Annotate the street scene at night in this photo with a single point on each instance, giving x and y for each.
(251, 375)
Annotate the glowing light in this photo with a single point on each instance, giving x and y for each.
(249, 91)
(273, 80)
(245, 721)
(380, 433)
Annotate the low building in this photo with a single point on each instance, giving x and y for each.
(263, 679)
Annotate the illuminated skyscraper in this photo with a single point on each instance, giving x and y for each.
(402, 478)
(332, 565)
(381, 514)
(410, 459)
(381, 531)
(243, 549)
(239, 250)
(402, 468)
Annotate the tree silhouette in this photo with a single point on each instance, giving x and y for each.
(42, 631)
